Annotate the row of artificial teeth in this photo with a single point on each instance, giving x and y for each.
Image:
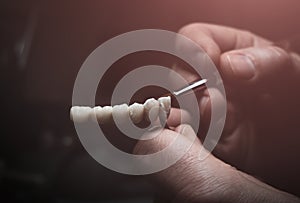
(137, 112)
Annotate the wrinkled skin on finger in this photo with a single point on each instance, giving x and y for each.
(261, 134)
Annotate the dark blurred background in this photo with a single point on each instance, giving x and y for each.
(42, 46)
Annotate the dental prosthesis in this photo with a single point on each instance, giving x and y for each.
(148, 111)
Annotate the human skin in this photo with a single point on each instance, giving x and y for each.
(261, 133)
(203, 180)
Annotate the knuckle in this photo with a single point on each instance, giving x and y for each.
(282, 54)
(189, 28)
(192, 32)
(247, 33)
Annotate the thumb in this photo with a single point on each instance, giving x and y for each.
(189, 178)
(177, 177)
(255, 64)
(167, 138)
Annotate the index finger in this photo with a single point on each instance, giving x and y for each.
(215, 39)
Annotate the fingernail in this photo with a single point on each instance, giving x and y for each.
(182, 130)
(242, 66)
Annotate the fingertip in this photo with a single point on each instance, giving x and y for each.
(187, 131)
(177, 117)
(181, 128)
(254, 64)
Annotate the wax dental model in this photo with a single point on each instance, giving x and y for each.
(150, 110)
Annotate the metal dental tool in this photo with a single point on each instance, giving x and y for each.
(190, 87)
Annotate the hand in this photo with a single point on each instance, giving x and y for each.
(208, 180)
(261, 134)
